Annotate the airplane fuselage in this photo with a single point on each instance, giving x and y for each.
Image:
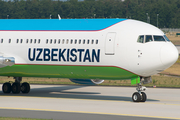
(82, 48)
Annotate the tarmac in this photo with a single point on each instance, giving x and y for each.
(76, 102)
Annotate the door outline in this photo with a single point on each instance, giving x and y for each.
(110, 43)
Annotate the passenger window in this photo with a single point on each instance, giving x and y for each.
(63, 41)
(141, 39)
(31, 41)
(9, 40)
(148, 38)
(96, 41)
(16, 41)
(1, 40)
(166, 38)
(158, 38)
(79, 41)
(55, 41)
(59, 41)
(84, 41)
(71, 41)
(39, 41)
(75, 41)
(21, 40)
(87, 41)
(92, 42)
(46, 41)
(51, 41)
(34, 40)
(27, 41)
(67, 41)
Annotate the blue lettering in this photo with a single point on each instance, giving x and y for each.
(61, 55)
(87, 56)
(68, 55)
(80, 53)
(46, 54)
(29, 54)
(94, 55)
(40, 51)
(73, 55)
(53, 55)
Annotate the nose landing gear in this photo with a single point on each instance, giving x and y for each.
(16, 87)
(139, 96)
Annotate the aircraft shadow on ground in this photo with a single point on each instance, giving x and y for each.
(60, 92)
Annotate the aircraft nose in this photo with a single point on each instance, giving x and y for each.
(169, 55)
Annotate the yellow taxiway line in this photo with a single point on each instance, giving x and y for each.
(86, 112)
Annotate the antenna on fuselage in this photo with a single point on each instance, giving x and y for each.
(59, 17)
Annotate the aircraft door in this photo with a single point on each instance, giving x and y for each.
(110, 43)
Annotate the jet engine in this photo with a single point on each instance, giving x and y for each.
(6, 61)
(87, 81)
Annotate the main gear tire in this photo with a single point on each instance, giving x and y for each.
(6, 88)
(25, 87)
(16, 88)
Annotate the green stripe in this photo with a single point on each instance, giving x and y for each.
(81, 72)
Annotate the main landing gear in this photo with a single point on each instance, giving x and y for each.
(16, 87)
(139, 96)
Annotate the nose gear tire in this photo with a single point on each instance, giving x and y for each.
(143, 97)
(136, 97)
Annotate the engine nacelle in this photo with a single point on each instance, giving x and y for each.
(87, 81)
(6, 61)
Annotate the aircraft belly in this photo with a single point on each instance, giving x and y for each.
(63, 71)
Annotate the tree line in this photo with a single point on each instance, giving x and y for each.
(164, 13)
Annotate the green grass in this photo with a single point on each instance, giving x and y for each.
(165, 81)
(173, 38)
(173, 70)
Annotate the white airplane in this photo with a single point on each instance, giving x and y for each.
(87, 51)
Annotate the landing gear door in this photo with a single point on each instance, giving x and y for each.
(110, 43)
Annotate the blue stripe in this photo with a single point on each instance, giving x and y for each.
(56, 24)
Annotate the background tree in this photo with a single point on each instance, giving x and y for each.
(168, 10)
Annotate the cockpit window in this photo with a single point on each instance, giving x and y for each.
(158, 38)
(166, 38)
(148, 38)
(141, 39)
